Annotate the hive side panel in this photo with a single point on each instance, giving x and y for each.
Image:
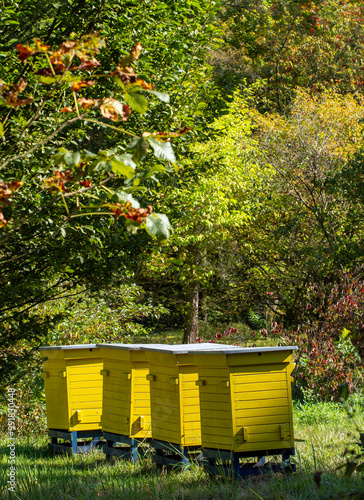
(190, 407)
(140, 413)
(216, 409)
(116, 396)
(262, 407)
(84, 393)
(56, 394)
(165, 404)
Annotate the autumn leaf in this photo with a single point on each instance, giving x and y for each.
(86, 183)
(89, 63)
(143, 84)
(76, 86)
(113, 109)
(6, 191)
(88, 103)
(41, 47)
(3, 221)
(25, 51)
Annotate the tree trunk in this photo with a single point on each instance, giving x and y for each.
(203, 303)
(190, 333)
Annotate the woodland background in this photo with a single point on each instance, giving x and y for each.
(255, 234)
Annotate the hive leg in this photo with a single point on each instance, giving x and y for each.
(74, 442)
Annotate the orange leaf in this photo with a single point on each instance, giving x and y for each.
(76, 86)
(25, 51)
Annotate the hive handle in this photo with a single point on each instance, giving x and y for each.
(245, 433)
(283, 430)
(127, 376)
(173, 381)
(141, 421)
(62, 374)
(225, 383)
(200, 382)
(44, 374)
(104, 373)
(151, 377)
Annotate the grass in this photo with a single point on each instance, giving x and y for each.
(325, 428)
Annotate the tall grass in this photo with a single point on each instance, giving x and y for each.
(325, 429)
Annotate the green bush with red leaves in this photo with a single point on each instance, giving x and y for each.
(331, 342)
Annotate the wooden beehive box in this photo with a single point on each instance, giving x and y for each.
(73, 387)
(175, 398)
(245, 397)
(126, 400)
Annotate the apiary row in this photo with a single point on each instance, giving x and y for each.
(220, 397)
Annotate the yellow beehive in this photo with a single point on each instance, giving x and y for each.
(175, 401)
(73, 387)
(126, 399)
(245, 395)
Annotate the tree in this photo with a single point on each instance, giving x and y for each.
(50, 242)
(209, 204)
(284, 44)
(50, 251)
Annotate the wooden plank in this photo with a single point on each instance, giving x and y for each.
(215, 405)
(266, 385)
(84, 396)
(79, 387)
(262, 446)
(163, 434)
(191, 401)
(210, 429)
(269, 368)
(218, 372)
(261, 395)
(209, 398)
(261, 403)
(267, 428)
(247, 378)
(164, 385)
(258, 358)
(209, 390)
(262, 420)
(265, 437)
(213, 441)
(78, 365)
(268, 412)
(87, 403)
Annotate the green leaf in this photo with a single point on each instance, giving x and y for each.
(67, 78)
(72, 158)
(123, 165)
(1, 130)
(47, 79)
(153, 170)
(119, 82)
(136, 101)
(123, 197)
(162, 96)
(162, 150)
(345, 333)
(158, 226)
(140, 147)
(58, 157)
(360, 468)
